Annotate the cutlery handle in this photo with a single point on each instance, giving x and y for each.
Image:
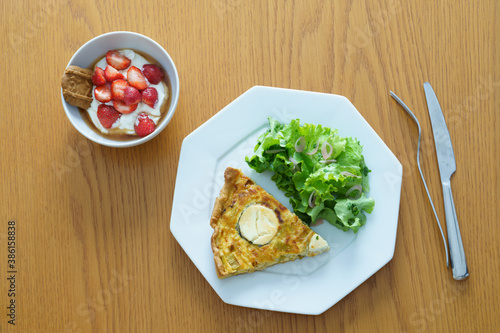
(457, 254)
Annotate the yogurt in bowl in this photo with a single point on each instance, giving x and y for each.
(125, 124)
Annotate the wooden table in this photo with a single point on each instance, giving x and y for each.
(93, 249)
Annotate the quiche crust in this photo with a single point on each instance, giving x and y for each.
(233, 254)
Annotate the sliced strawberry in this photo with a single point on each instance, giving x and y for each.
(144, 125)
(153, 73)
(136, 79)
(150, 96)
(118, 89)
(121, 107)
(107, 115)
(103, 93)
(131, 95)
(112, 74)
(98, 78)
(117, 59)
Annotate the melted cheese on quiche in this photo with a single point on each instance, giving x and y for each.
(258, 224)
(317, 244)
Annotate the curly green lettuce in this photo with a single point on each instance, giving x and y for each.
(323, 174)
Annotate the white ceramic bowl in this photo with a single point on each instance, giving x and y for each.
(95, 49)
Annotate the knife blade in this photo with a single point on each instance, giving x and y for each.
(447, 166)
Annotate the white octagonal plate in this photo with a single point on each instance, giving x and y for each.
(311, 285)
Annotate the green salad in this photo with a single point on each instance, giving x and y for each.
(323, 174)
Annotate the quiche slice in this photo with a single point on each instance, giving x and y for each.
(253, 231)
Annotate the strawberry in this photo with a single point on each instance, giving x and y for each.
(136, 79)
(118, 89)
(144, 125)
(150, 96)
(131, 95)
(153, 73)
(103, 93)
(121, 107)
(117, 59)
(107, 115)
(98, 78)
(112, 74)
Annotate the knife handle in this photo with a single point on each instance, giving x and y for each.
(457, 254)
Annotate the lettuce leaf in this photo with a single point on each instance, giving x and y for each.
(305, 176)
(350, 212)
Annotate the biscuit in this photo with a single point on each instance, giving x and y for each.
(77, 86)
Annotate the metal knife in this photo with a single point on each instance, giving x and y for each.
(447, 166)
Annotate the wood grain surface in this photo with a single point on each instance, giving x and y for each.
(94, 252)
